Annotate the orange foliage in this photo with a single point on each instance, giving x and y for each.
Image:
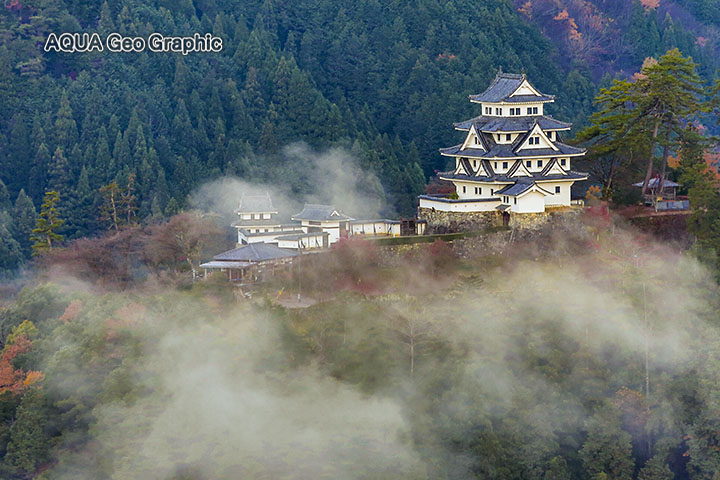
(564, 15)
(650, 4)
(71, 311)
(526, 9)
(10, 378)
(712, 159)
(32, 377)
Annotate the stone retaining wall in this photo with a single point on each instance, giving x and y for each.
(451, 222)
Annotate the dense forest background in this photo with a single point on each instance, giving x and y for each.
(382, 80)
(586, 350)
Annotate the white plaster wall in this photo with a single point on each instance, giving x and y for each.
(560, 199)
(459, 207)
(533, 202)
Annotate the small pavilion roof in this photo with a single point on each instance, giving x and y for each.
(256, 204)
(320, 213)
(255, 252)
(655, 182)
(504, 85)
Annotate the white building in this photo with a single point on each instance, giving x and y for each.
(257, 221)
(323, 218)
(512, 158)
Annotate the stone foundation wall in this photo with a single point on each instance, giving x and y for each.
(450, 222)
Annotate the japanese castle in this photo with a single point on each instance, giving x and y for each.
(512, 159)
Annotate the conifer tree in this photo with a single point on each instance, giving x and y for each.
(5, 202)
(10, 251)
(24, 215)
(29, 442)
(47, 225)
(65, 127)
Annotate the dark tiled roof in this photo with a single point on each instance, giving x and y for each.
(255, 252)
(514, 189)
(529, 98)
(502, 87)
(571, 175)
(503, 151)
(512, 124)
(468, 152)
(256, 203)
(319, 213)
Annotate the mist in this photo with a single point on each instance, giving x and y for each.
(329, 177)
(523, 353)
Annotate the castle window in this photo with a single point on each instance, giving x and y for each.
(550, 135)
(528, 163)
(463, 188)
(539, 163)
(474, 163)
(498, 137)
(515, 200)
(557, 190)
(477, 141)
(498, 111)
(479, 190)
(529, 110)
(492, 191)
(495, 167)
(563, 162)
(476, 190)
(505, 165)
(508, 137)
(535, 110)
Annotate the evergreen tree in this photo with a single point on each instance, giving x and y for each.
(5, 203)
(24, 215)
(65, 128)
(607, 450)
(47, 225)
(80, 217)
(11, 256)
(29, 441)
(59, 178)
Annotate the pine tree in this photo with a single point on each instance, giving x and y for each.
(47, 225)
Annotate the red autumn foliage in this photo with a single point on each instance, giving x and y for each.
(124, 257)
(10, 378)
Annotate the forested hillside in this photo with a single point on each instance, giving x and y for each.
(383, 80)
